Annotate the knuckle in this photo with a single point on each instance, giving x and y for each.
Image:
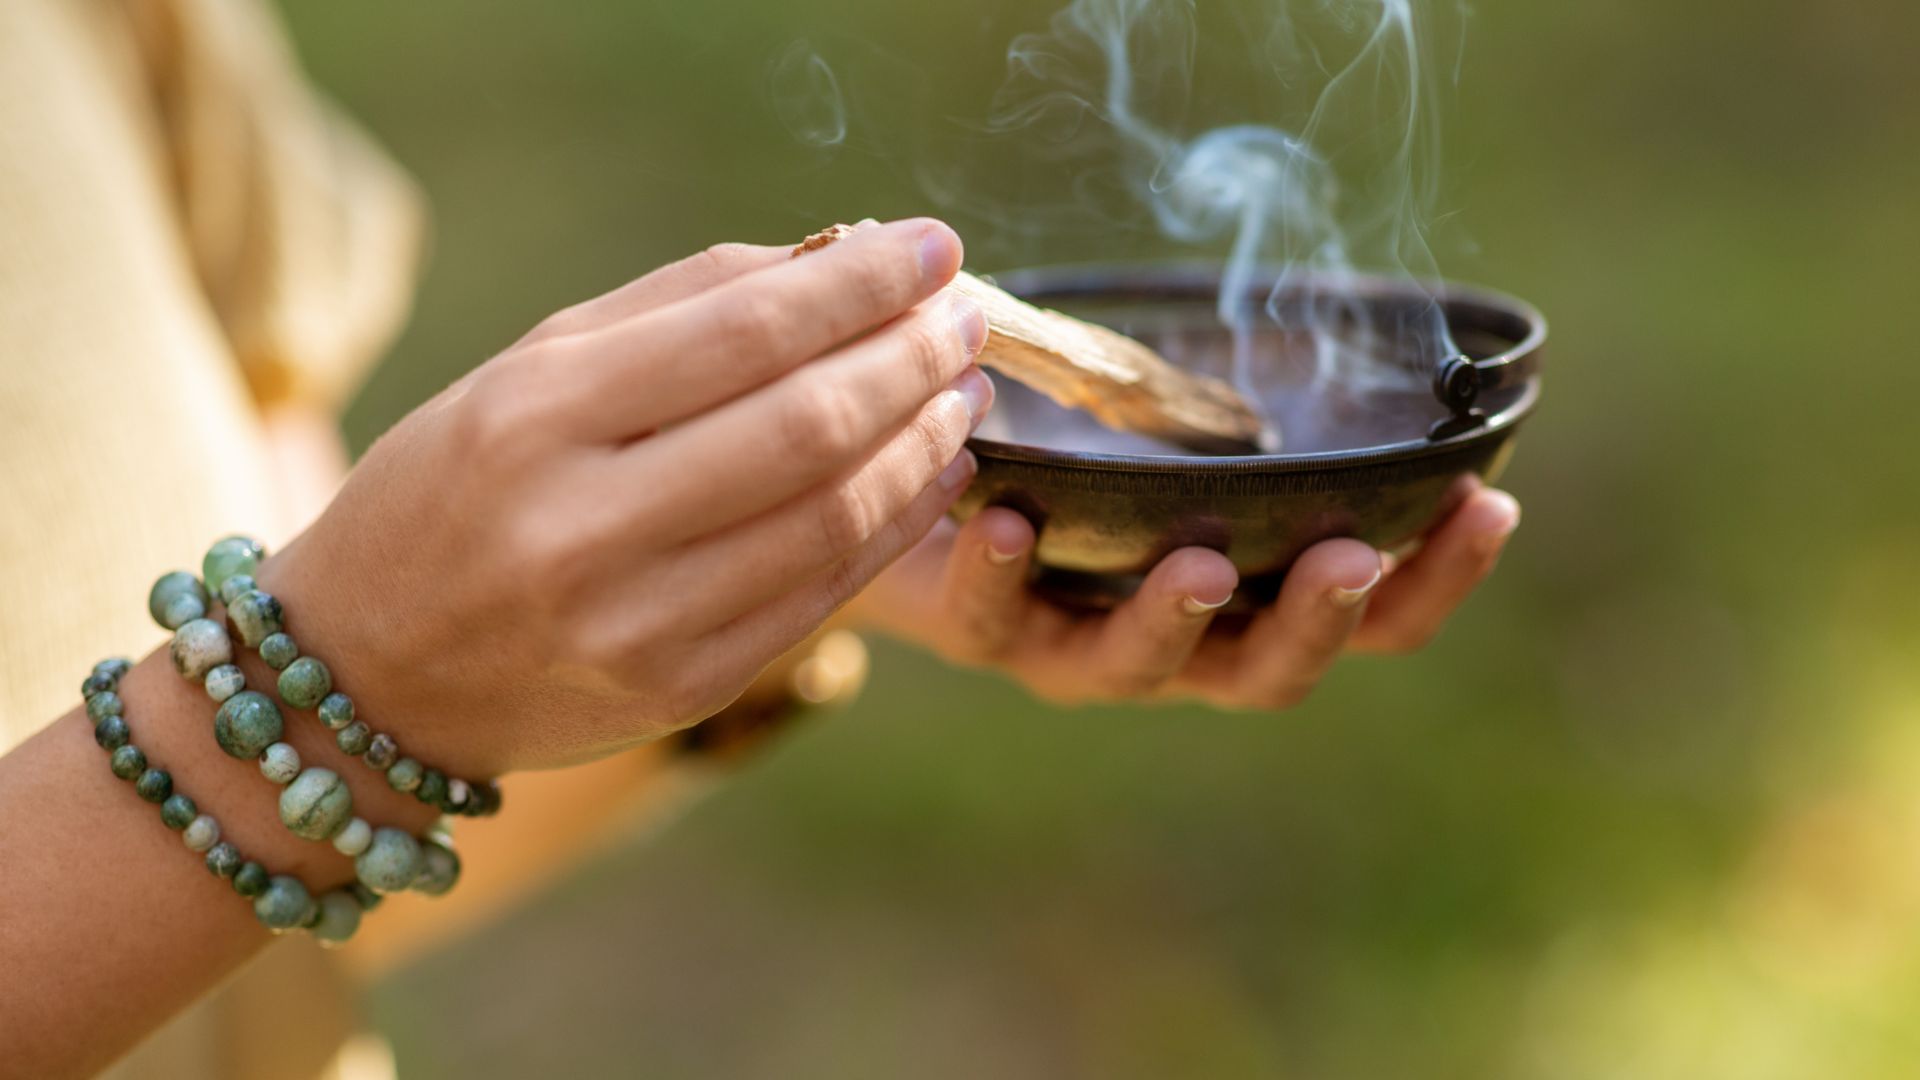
(755, 321)
(934, 349)
(846, 519)
(722, 258)
(820, 421)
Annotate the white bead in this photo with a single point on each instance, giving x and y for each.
(354, 838)
(280, 763)
(201, 833)
(458, 793)
(225, 681)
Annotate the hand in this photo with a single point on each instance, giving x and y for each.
(603, 534)
(963, 592)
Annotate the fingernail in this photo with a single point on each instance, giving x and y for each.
(1495, 538)
(976, 390)
(1197, 607)
(1002, 558)
(939, 254)
(866, 223)
(1348, 599)
(957, 474)
(971, 323)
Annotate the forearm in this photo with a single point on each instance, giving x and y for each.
(109, 924)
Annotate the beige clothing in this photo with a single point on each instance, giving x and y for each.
(187, 233)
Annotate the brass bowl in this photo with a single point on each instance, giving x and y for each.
(1381, 463)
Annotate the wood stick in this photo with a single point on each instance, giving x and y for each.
(1122, 383)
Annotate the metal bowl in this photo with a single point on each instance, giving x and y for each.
(1380, 462)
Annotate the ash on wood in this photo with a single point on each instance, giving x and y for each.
(1122, 383)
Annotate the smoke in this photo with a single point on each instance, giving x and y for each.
(806, 97)
(1357, 76)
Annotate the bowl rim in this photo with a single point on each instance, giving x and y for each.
(1070, 279)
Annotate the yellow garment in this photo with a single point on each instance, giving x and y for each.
(187, 233)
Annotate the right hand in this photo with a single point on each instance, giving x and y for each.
(606, 532)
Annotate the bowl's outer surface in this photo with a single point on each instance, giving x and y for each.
(1105, 519)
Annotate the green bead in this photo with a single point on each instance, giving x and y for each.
(154, 785)
(104, 704)
(316, 805)
(405, 775)
(235, 586)
(280, 763)
(201, 833)
(97, 683)
(114, 668)
(355, 738)
(234, 555)
(111, 733)
(250, 879)
(224, 681)
(199, 647)
(178, 812)
(336, 710)
(365, 897)
(255, 616)
(439, 869)
(284, 904)
(177, 598)
(305, 682)
(390, 863)
(339, 918)
(223, 859)
(247, 723)
(279, 650)
(433, 787)
(381, 752)
(127, 762)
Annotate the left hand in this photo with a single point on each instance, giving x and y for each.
(963, 592)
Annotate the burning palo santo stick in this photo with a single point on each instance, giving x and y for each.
(1122, 383)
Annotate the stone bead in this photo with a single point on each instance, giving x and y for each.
(97, 683)
(247, 723)
(433, 787)
(111, 733)
(201, 833)
(382, 752)
(198, 647)
(284, 904)
(225, 681)
(279, 650)
(250, 879)
(127, 762)
(354, 838)
(305, 682)
(355, 738)
(336, 710)
(365, 897)
(114, 668)
(439, 869)
(390, 863)
(458, 793)
(233, 555)
(176, 599)
(255, 616)
(233, 587)
(405, 774)
(178, 812)
(339, 918)
(104, 704)
(317, 805)
(223, 859)
(280, 763)
(154, 785)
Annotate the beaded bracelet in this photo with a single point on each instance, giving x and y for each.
(304, 682)
(281, 902)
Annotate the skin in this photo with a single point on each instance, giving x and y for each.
(605, 535)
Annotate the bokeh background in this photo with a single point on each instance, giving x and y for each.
(1649, 809)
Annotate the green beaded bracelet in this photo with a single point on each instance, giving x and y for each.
(281, 903)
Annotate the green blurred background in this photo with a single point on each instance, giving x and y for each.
(1650, 808)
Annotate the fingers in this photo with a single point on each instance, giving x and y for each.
(765, 634)
(683, 359)
(1148, 639)
(756, 453)
(761, 559)
(689, 277)
(984, 587)
(1416, 601)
